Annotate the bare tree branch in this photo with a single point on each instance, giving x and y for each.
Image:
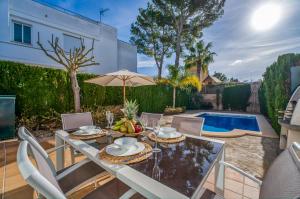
(76, 59)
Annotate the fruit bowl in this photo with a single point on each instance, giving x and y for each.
(132, 134)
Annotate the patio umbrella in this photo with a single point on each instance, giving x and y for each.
(122, 78)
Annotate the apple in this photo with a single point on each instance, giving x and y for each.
(138, 128)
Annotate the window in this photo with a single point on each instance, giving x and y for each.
(71, 42)
(22, 33)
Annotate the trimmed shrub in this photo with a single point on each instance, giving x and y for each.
(236, 97)
(275, 90)
(44, 93)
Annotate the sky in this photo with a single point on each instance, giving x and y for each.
(243, 50)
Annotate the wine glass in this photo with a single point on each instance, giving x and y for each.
(156, 129)
(111, 120)
(107, 114)
(156, 169)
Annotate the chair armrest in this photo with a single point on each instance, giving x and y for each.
(259, 182)
(55, 148)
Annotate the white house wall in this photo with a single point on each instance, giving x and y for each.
(127, 56)
(45, 22)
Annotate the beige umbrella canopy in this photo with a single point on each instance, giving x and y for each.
(122, 78)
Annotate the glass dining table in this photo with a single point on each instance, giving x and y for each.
(178, 171)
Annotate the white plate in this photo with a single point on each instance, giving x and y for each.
(87, 127)
(115, 150)
(87, 132)
(169, 135)
(168, 129)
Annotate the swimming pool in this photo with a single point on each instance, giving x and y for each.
(224, 123)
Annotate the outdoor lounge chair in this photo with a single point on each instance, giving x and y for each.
(188, 125)
(51, 184)
(151, 117)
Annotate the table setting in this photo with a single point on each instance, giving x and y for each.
(88, 133)
(133, 149)
(126, 150)
(159, 153)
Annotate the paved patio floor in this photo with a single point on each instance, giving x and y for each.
(14, 187)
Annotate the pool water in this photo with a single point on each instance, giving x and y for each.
(227, 122)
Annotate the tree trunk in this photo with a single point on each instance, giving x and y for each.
(76, 90)
(177, 50)
(178, 42)
(174, 97)
(159, 68)
(199, 70)
(159, 72)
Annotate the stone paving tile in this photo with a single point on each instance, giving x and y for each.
(233, 175)
(232, 195)
(234, 186)
(209, 186)
(251, 183)
(251, 192)
(211, 177)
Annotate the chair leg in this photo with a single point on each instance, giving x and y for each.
(72, 155)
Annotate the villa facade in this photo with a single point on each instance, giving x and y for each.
(25, 22)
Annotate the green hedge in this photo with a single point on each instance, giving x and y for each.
(275, 90)
(40, 90)
(236, 96)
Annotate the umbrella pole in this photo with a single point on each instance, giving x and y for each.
(124, 92)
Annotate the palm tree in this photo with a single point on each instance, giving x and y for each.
(200, 56)
(180, 78)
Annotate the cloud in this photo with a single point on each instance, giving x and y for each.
(238, 61)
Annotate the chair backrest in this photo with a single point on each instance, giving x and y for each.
(24, 134)
(41, 179)
(282, 180)
(188, 125)
(151, 117)
(73, 121)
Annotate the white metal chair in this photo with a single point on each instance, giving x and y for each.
(51, 184)
(72, 121)
(151, 117)
(188, 125)
(86, 171)
(282, 179)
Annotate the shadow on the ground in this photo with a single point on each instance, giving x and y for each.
(24, 192)
(271, 151)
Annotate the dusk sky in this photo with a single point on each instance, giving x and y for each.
(247, 38)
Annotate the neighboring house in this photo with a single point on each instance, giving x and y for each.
(211, 80)
(24, 22)
(203, 75)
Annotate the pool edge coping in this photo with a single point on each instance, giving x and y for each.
(239, 132)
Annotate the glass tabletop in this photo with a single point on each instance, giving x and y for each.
(182, 166)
